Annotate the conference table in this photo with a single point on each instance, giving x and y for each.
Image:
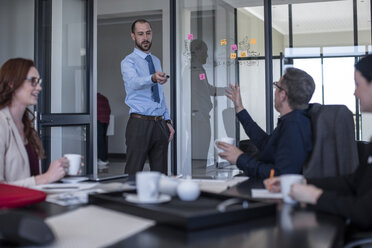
(291, 226)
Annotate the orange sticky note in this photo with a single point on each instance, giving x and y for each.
(253, 41)
(243, 54)
(223, 42)
(233, 56)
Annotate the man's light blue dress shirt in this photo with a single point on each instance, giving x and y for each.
(137, 82)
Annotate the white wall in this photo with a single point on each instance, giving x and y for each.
(16, 29)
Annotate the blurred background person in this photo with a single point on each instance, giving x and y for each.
(103, 120)
(20, 146)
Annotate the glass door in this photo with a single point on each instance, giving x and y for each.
(63, 57)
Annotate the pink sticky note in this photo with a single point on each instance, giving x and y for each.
(202, 76)
(234, 47)
(190, 36)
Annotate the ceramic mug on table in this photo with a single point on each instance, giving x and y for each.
(286, 182)
(74, 164)
(147, 183)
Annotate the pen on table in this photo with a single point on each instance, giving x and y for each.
(272, 171)
(67, 187)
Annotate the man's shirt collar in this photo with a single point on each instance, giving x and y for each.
(141, 53)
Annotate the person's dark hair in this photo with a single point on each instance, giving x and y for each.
(140, 21)
(12, 76)
(299, 87)
(364, 66)
(196, 46)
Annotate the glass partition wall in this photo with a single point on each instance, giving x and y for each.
(206, 60)
(324, 38)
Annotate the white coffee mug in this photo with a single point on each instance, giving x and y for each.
(147, 183)
(228, 140)
(286, 182)
(74, 163)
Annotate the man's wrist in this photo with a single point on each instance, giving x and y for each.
(153, 78)
(169, 122)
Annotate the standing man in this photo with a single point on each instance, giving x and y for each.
(149, 129)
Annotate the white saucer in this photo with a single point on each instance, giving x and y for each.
(74, 179)
(134, 199)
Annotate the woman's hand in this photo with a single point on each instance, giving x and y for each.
(234, 94)
(305, 193)
(272, 185)
(56, 171)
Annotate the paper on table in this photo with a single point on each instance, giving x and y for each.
(218, 186)
(94, 226)
(264, 193)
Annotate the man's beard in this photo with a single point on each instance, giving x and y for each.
(140, 46)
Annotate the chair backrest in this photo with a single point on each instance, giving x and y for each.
(334, 146)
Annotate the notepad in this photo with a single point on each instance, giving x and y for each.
(264, 193)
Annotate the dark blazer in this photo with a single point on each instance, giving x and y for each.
(334, 147)
(349, 196)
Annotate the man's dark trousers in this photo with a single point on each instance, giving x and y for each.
(146, 139)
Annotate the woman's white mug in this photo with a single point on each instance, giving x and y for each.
(75, 163)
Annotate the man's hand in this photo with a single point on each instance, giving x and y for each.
(159, 77)
(230, 153)
(171, 132)
(234, 94)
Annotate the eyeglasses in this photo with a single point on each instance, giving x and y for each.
(34, 81)
(275, 84)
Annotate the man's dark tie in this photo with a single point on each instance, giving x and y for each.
(154, 88)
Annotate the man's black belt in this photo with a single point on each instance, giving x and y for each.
(147, 117)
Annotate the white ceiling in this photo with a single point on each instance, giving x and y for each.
(312, 16)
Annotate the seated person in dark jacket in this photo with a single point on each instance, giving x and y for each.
(347, 196)
(286, 149)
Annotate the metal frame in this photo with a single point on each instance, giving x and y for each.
(268, 66)
(43, 12)
(173, 80)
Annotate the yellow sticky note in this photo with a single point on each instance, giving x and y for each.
(223, 42)
(253, 41)
(233, 56)
(243, 54)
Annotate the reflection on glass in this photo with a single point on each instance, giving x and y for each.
(201, 101)
(64, 140)
(68, 61)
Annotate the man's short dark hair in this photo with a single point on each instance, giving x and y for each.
(299, 87)
(140, 21)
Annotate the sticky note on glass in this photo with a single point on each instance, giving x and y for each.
(190, 36)
(202, 76)
(233, 56)
(253, 41)
(223, 42)
(243, 54)
(234, 47)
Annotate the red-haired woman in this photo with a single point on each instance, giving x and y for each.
(20, 146)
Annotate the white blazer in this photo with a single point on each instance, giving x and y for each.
(14, 163)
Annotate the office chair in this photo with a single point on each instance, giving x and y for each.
(334, 147)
